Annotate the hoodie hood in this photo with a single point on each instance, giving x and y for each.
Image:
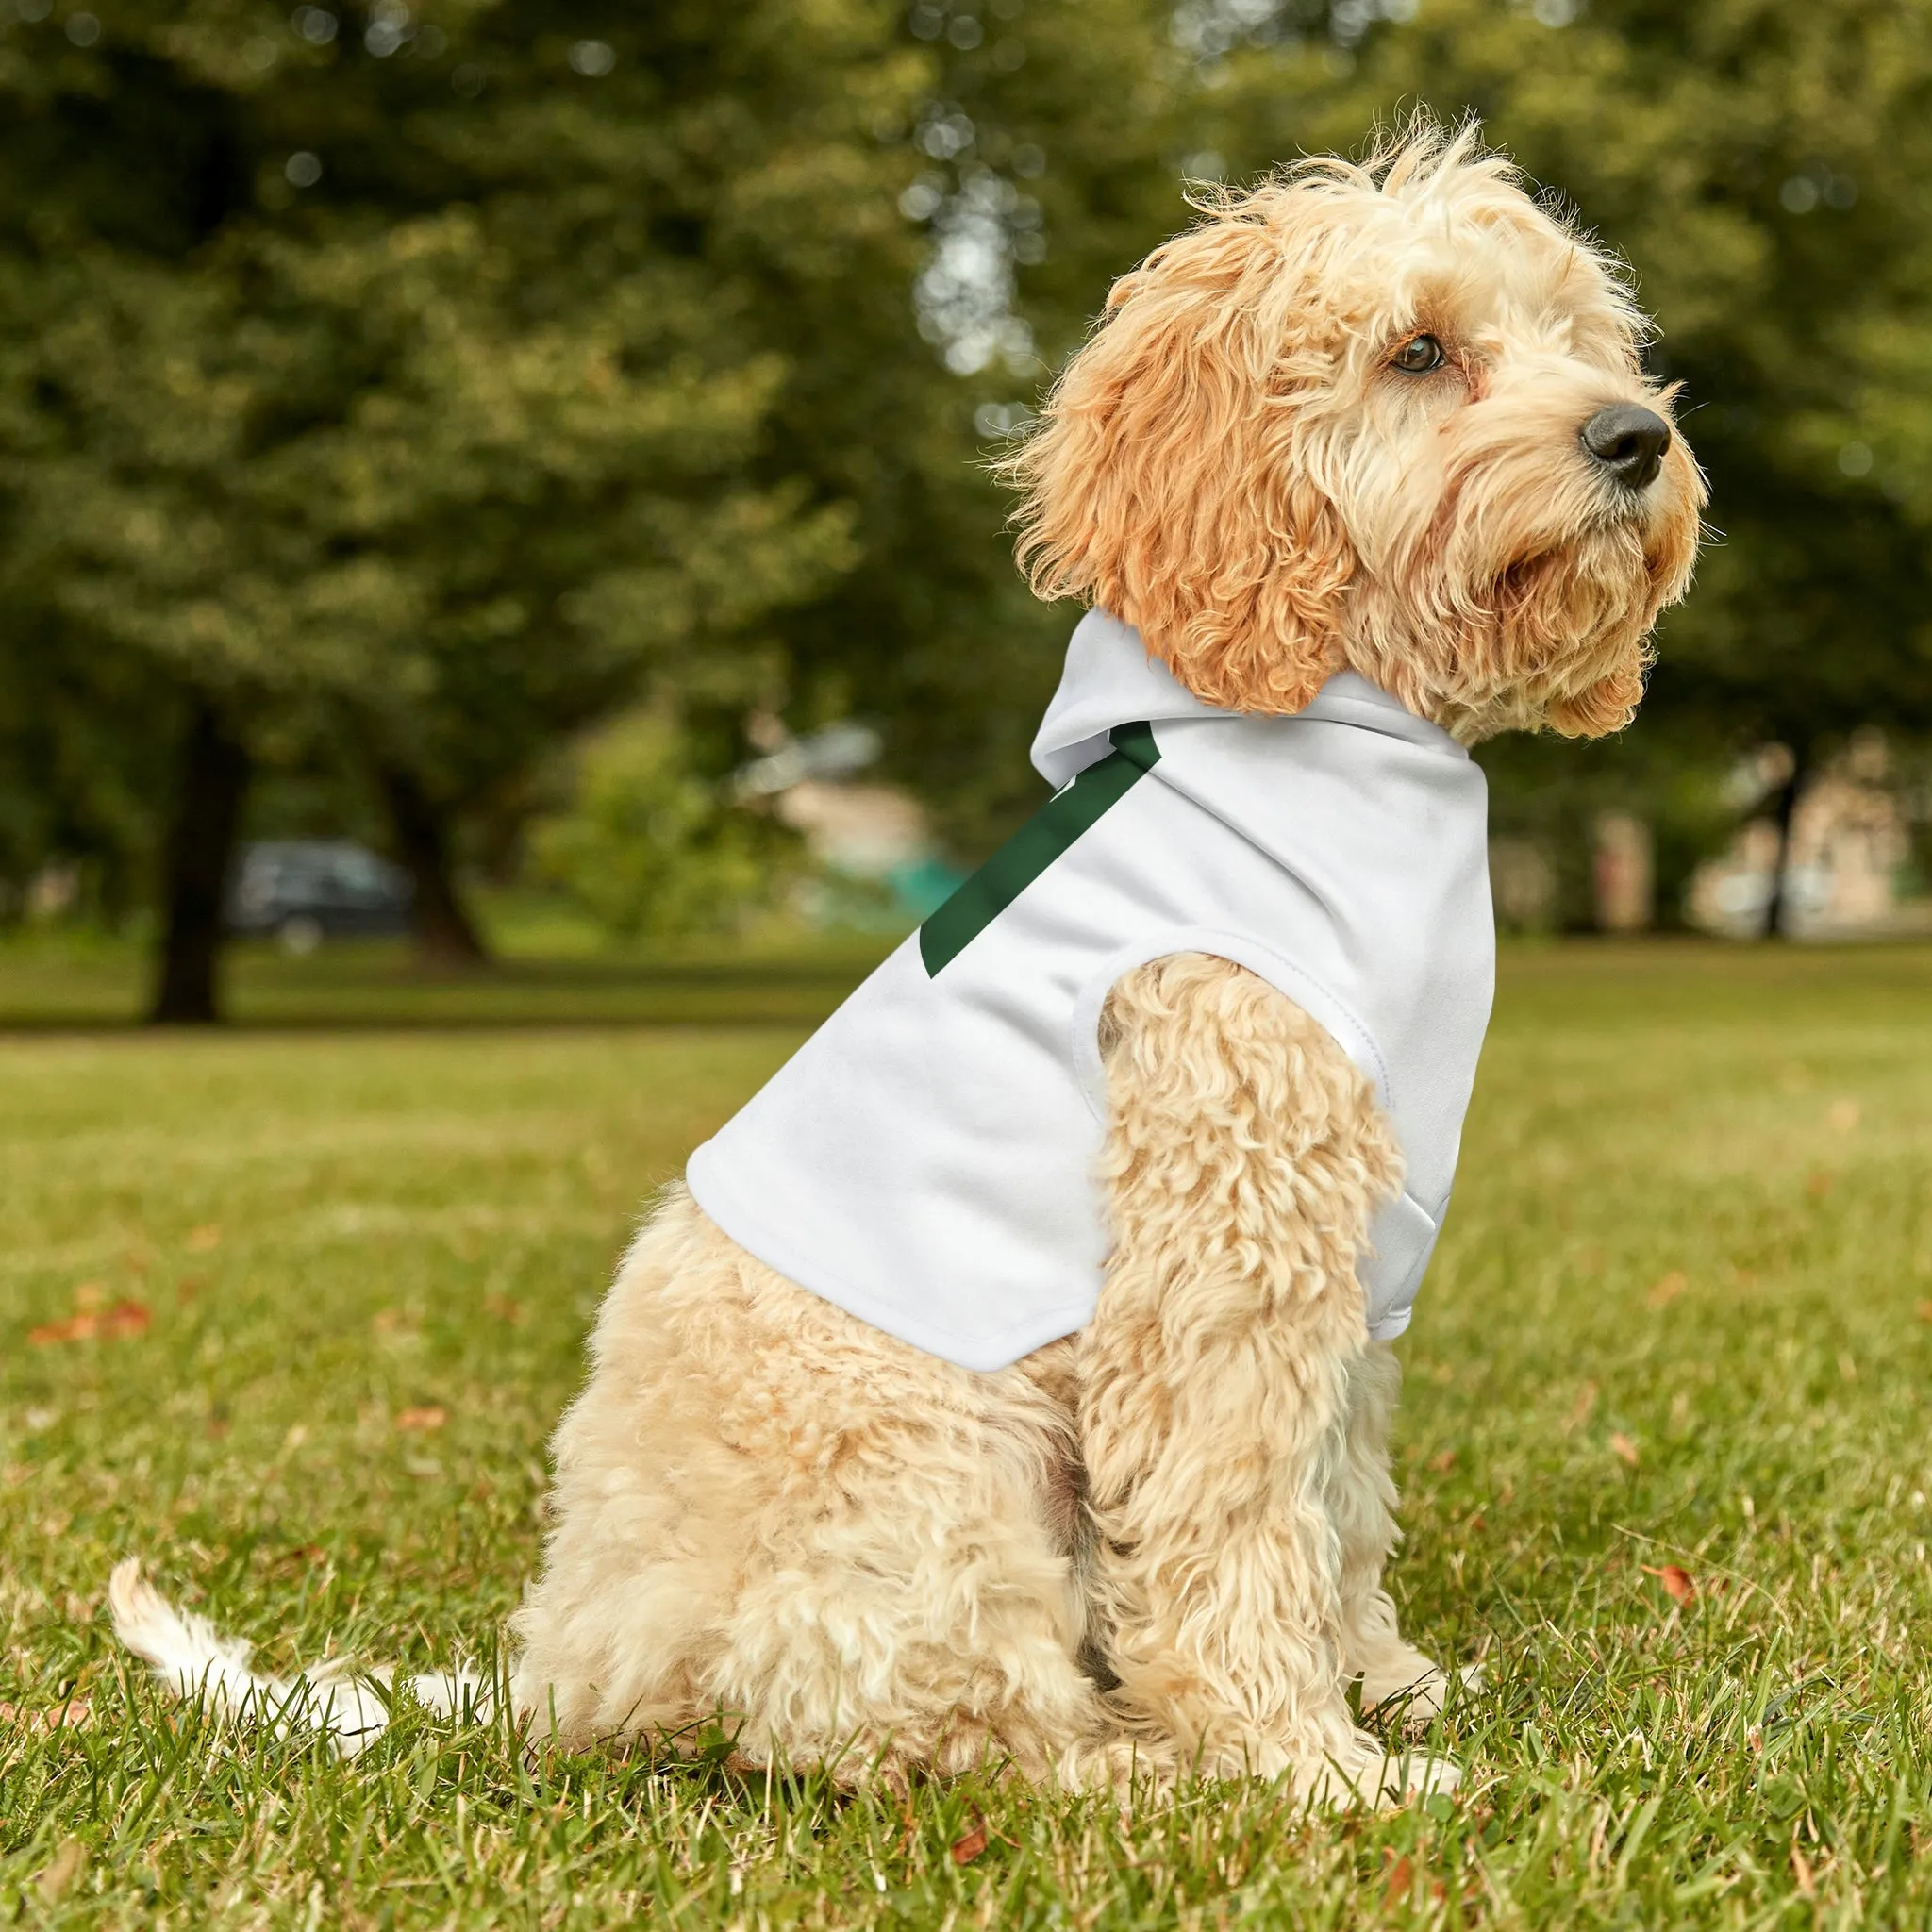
(1111, 678)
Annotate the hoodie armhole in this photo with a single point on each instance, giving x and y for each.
(1287, 978)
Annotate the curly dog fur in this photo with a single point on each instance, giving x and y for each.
(1155, 1547)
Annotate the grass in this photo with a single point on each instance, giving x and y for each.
(60, 982)
(1678, 1319)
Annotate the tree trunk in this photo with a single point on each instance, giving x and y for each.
(445, 933)
(201, 851)
(1778, 910)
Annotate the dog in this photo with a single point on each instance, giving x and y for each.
(935, 1421)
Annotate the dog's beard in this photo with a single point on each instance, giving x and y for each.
(1553, 633)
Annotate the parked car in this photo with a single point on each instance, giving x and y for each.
(305, 891)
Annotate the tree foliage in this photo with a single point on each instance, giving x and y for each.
(410, 386)
(649, 846)
(406, 390)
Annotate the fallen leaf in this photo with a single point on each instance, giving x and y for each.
(76, 1714)
(968, 1848)
(1401, 1882)
(1444, 1463)
(1925, 1311)
(203, 1240)
(1669, 1289)
(1678, 1582)
(1624, 1448)
(1818, 1185)
(122, 1319)
(76, 1328)
(429, 1417)
(62, 1870)
(1844, 1116)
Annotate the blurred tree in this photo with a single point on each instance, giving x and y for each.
(383, 378)
(1049, 148)
(409, 388)
(650, 846)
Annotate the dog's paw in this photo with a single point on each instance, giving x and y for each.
(1411, 1690)
(1368, 1772)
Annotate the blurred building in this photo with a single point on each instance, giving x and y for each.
(881, 864)
(1848, 858)
(1623, 873)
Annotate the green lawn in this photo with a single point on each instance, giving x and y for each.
(1679, 1318)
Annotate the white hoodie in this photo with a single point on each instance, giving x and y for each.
(926, 1160)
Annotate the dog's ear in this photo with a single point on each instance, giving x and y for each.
(1168, 480)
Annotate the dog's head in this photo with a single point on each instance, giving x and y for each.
(1389, 416)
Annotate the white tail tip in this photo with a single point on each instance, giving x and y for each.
(195, 1662)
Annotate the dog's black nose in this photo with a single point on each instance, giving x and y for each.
(1629, 441)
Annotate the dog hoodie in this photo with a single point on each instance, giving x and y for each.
(926, 1159)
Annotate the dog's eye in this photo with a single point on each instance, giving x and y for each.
(1418, 355)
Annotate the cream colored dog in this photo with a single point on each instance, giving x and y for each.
(1388, 417)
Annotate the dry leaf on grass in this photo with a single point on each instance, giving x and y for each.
(969, 1847)
(76, 1714)
(1678, 1584)
(1401, 1882)
(1818, 1185)
(429, 1417)
(1623, 1449)
(1669, 1289)
(1925, 1311)
(123, 1318)
(203, 1241)
(1444, 1463)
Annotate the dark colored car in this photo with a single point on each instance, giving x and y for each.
(305, 891)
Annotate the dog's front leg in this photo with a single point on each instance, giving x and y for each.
(1244, 1156)
(1395, 1676)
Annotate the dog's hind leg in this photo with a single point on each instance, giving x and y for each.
(1244, 1159)
(771, 1517)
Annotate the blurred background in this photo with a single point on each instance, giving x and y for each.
(492, 484)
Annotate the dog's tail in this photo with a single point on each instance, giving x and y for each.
(195, 1662)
